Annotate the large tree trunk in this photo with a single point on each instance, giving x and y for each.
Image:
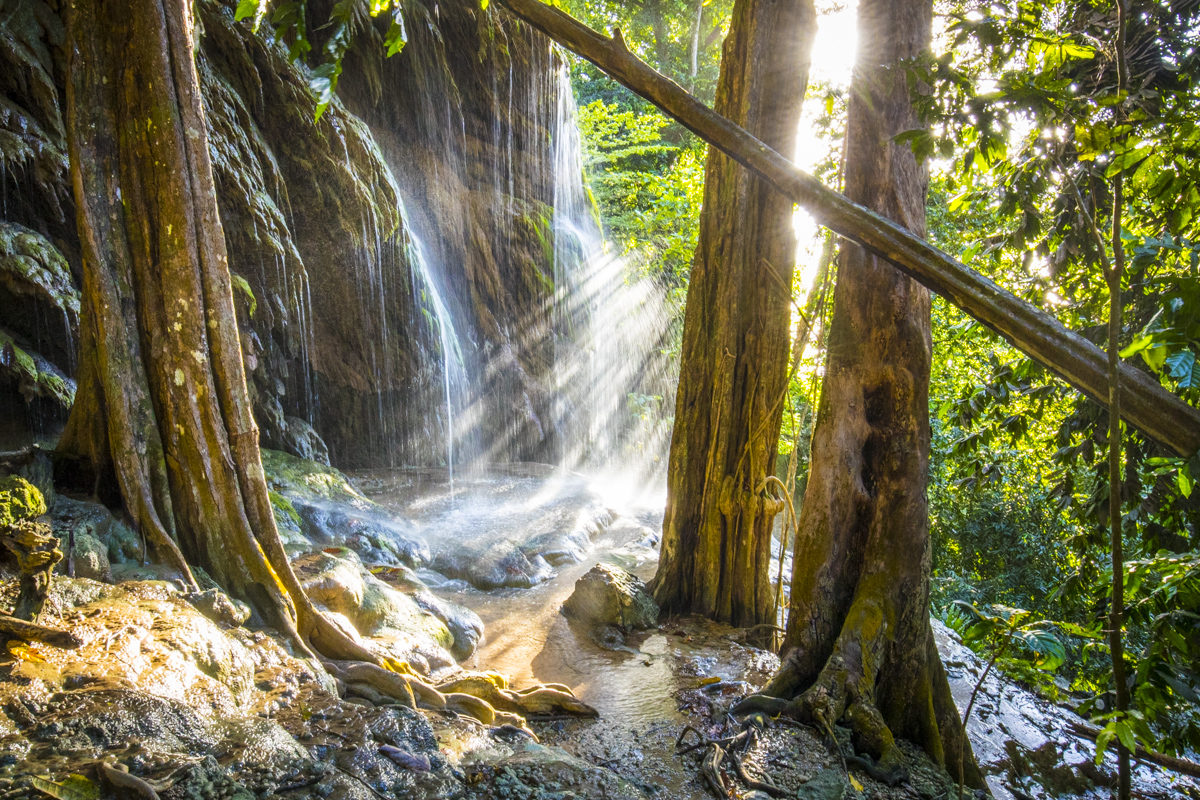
(859, 643)
(162, 399)
(717, 531)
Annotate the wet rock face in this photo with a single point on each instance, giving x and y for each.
(607, 595)
(1024, 743)
(322, 219)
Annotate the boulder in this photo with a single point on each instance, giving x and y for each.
(88, 558)
(411, 624)
(608, 595)
(92, 521)
(828, 784)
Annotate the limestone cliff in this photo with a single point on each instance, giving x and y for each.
(393, 259)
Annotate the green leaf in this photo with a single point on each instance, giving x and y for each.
(1125, 735)
(397, 37)
(1103, 739)
(251, 9)
(1183, 368)
(919, 139)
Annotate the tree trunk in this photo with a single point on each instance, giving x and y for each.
(162, 399)
(859, 643)
(717, 530)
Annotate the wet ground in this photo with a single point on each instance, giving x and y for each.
(209, 710)
(647, 686)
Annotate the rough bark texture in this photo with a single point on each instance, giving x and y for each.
(859, 644)
(165, 399)
(717, 530)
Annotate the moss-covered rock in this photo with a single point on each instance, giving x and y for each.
(19, 500)
(292, 477)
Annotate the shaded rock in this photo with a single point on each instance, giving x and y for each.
(532, 766)
(828, 784)
(464, 624)
(299, 438)
(608, 595)
(92, 520)
(87, 557)
(378, 537)
(34, 465)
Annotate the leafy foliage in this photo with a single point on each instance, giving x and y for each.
(1025, 114)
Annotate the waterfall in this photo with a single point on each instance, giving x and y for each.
(429, 298)
(613, 367)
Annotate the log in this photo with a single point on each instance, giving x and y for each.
(32, 632)
(1144, 403)
(1179, 765)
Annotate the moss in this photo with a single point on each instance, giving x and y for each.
(31, 266)
(299, 477)
(33, 375)
(19, 500)
(243, 286)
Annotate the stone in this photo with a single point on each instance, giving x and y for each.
(413, 624)
(377, 536)
(88, 558)
(494, 565)
(608, 595)
(828, 784)
(220, 607)
(93, 520)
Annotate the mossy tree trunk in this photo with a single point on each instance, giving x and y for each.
(162, 403)
(717, 530)
(859, 646)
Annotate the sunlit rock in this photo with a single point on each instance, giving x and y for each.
(608, 595)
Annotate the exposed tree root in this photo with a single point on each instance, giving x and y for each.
(730, 748)
(482, 696)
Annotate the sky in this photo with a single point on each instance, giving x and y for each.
(832, 63)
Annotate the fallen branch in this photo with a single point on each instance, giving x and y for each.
(1144, 403)
(32, 632)
(1180, 765)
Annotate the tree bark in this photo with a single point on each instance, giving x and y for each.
(1145, 403)
(162, 399)
(859, 645)
(733, 371)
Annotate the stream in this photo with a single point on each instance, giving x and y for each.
(635, 681)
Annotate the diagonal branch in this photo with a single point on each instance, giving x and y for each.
(1144, 403)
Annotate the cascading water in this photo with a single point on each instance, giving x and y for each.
(612, 327)
(430, 301)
